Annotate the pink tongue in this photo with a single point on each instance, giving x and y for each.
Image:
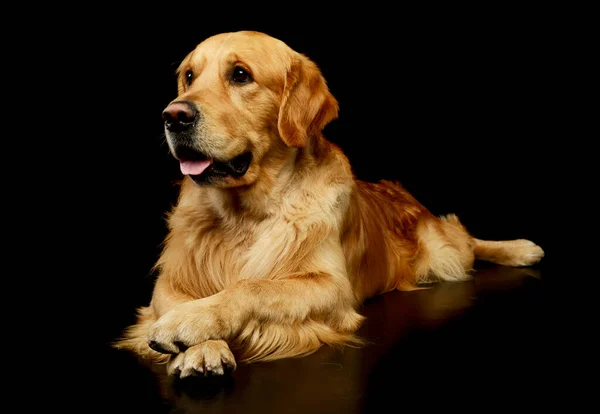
(193, 167)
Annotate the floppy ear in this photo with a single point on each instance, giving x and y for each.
(307, 105)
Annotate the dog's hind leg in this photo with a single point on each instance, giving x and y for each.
(445, 251)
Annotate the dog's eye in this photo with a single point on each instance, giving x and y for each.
(189, 77)
(240, 76)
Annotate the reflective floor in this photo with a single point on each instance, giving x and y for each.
(472, 345)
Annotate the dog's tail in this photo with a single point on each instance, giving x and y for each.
(448, 251)
(516, 253)
(519, 252)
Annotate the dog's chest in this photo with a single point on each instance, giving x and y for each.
(263, 250)
(229, 246)
(267, 248)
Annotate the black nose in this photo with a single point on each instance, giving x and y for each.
(179, 116)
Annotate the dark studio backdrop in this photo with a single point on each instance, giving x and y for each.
(454, 104)
(458, 110)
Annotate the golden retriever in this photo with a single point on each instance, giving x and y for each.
(273, 243)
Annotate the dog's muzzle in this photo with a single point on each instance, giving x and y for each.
(180, 119)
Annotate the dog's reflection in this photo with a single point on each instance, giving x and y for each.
(194, 392)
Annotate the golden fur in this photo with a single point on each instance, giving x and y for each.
(275, 263)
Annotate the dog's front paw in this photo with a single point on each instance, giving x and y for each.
(208, 358)
(184, 326)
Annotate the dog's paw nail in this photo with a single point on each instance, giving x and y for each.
(187, 372)
(163, 349)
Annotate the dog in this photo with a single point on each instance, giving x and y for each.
(273, 243)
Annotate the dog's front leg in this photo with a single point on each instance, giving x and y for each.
(192, 322)
(287, 302)
(209, 357)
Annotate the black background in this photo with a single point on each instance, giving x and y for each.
(463, 106)
(460, 108)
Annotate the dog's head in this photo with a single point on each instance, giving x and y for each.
(240, 95)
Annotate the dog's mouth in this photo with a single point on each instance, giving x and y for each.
(203, 169)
